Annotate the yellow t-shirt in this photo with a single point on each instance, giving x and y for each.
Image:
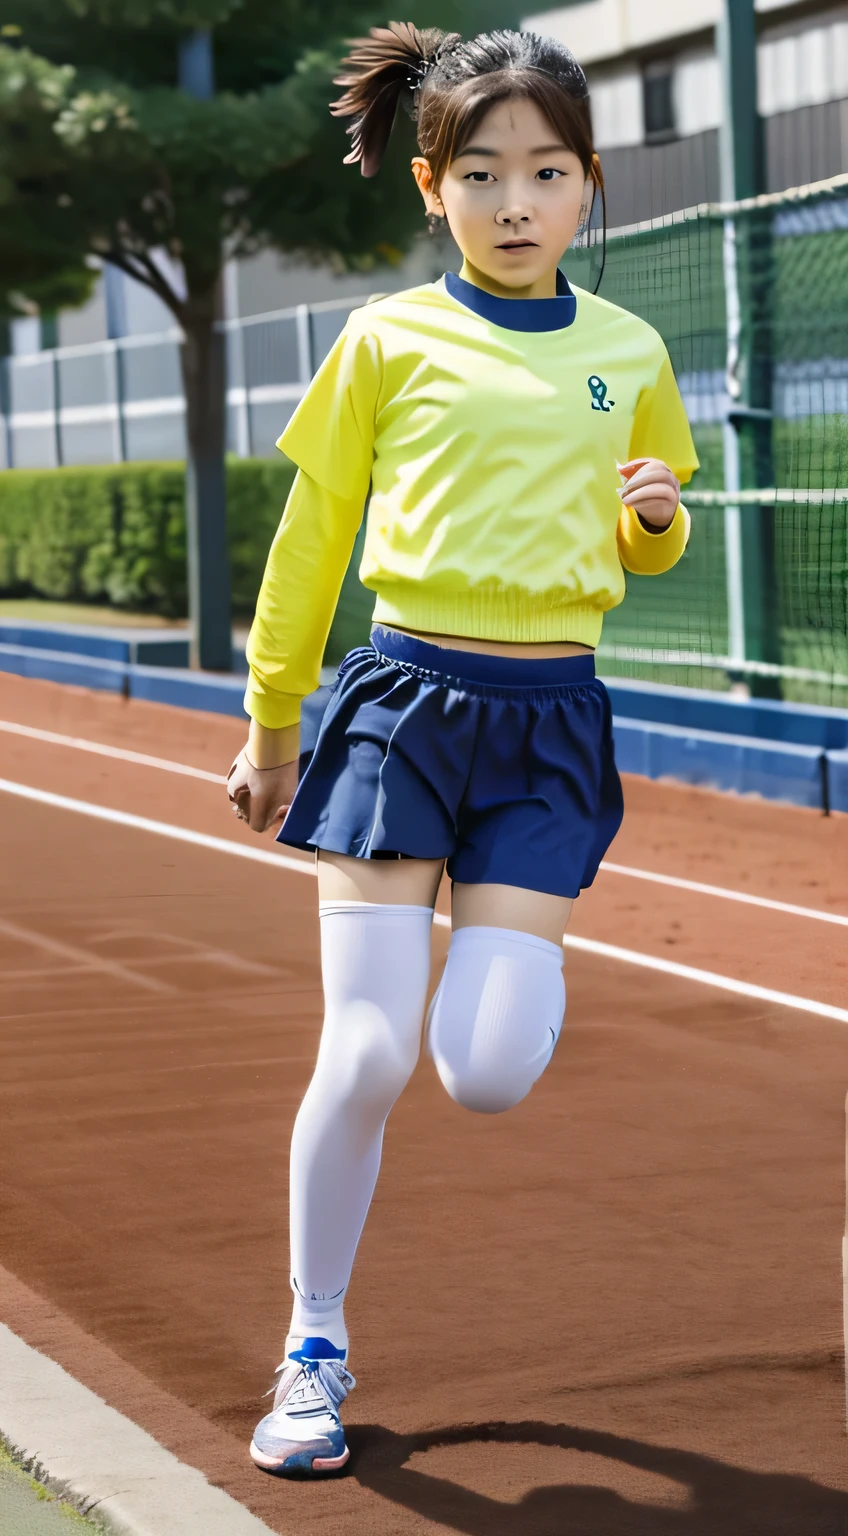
(490, 458)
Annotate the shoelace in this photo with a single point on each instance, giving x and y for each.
(331, 1384)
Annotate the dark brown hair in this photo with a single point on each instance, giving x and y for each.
(449, 85)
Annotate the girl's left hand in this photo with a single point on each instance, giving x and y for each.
(651, 490)
(261, 796)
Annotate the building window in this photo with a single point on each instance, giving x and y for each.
(658, 97)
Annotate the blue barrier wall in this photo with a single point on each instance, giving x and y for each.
(699, 709)
(781, 752)
(152, 647)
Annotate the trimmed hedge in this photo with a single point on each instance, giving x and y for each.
(116, 533)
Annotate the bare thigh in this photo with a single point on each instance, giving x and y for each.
(394, 882)
(511, 906)
(415, 883)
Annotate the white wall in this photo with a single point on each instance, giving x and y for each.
(617, 109)
(697, 93)
(25, 335)
(617, 101)
(804, 67)
(272, 281)
(601, 29)
(77, 327)
(798, 66)
(604, 29)
(144, 311)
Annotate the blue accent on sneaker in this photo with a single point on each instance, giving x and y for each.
(300, 1461)
(294, 1456)
(304, 1427)
(317, 1349)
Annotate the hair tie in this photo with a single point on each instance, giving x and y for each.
(417, 77)
(419, 72)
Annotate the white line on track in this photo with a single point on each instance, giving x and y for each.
(726, 895)
(697, 887)
(709, 979)
(123, 754)
(80, 957)
(306, 866)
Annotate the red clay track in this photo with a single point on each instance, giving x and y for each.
(615, 1310)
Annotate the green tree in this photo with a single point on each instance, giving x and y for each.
(199, 128)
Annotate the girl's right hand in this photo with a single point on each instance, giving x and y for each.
(261, 796)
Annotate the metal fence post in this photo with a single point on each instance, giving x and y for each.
(749, 547)
(57, 406)
(304, 343)
(237, 354)
(753, 422)
(6, 412)
(119, 444)
(238, 384)
(732, 468)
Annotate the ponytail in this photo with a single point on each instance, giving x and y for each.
(596, 176)
(448, 85)
(381, 70)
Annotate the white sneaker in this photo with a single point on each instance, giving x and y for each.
(303, 1434)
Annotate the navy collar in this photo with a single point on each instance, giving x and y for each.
(516, 314)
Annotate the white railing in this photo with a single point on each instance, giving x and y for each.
(110, 401)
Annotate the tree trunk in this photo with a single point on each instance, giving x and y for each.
(203, 357)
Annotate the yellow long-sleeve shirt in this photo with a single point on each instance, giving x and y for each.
(489, 457)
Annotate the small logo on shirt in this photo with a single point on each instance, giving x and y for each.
(598, 391)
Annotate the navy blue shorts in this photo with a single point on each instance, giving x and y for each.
(504, 767)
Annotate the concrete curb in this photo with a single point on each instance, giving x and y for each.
(102, 1462)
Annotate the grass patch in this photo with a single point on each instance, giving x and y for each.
(41, 610)
(114, 535)
(11, 1472)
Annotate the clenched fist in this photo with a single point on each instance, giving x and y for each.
(261, 796)
(651, 490)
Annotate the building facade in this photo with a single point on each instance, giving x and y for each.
(656, 95)
(103, 382)
(656, 99)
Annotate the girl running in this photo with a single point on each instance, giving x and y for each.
(489, 420)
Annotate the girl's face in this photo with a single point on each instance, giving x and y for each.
(512, 198)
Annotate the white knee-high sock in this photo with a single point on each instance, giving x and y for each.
(496, 1017)
(375, 964)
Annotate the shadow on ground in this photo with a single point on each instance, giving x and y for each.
(723, 1500)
